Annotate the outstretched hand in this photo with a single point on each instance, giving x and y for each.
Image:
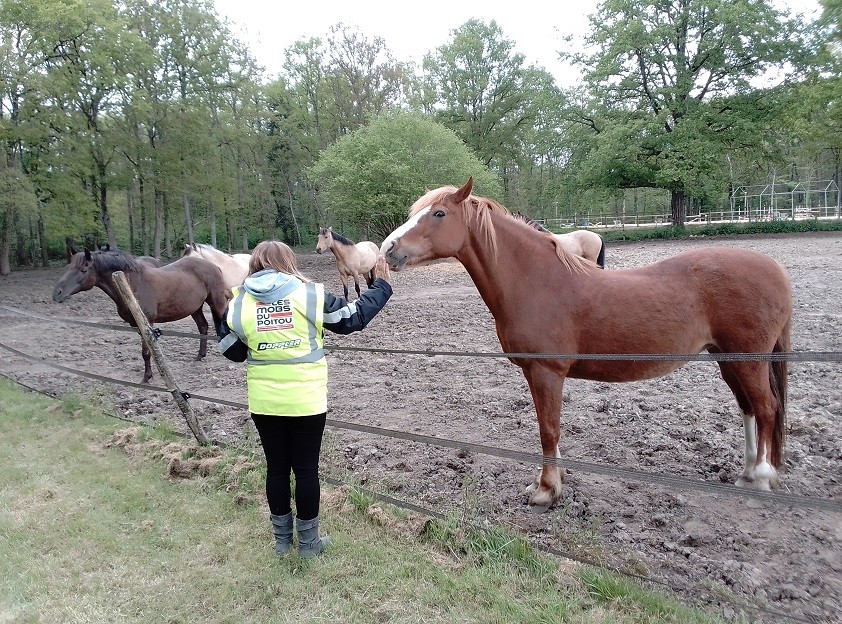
(381, 269)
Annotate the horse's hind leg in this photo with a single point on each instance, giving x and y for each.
(749, 381)
(202, 325)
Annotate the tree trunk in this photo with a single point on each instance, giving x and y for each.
(213, 224)
(167, 229)
(159, 222)
(144, 227)
(130, 210)
(42, 241)
(678, 206)
(229, 231)
(188, 219)
(6, 243)
(102, 200)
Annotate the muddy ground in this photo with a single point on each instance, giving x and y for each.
(712, 549)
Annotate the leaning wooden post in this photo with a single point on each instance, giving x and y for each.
(148, 336)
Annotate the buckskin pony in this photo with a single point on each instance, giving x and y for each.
(354, 260)
(168, 293)
(546, 300)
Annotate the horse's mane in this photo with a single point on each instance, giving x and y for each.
(337, 237)
(572, 261)
(476, 207)
(109, 261)
(530, 221)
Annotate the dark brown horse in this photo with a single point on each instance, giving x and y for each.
(167, 293)
(546, 300)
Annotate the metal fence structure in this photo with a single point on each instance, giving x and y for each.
(776, 201)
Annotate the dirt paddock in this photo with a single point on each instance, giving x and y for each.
(716, 550)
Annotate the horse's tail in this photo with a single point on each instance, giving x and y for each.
(778, 371)
(600, 259)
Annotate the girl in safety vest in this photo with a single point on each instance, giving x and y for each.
(275, 323)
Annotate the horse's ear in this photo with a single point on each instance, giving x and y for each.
(87, 256)
(463, 193)
(73, 250)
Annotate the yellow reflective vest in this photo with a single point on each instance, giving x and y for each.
(286, 366)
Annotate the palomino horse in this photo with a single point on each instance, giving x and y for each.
(168, 293)
(582, 243)
(545, 300)
(234, 267)
(353, 260)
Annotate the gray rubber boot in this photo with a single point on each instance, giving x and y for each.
(282, 528)
(309, 543)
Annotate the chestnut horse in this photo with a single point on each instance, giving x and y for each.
(354, 260)
(545, 300)
(583, 243)
(234, 267)
(168, 293)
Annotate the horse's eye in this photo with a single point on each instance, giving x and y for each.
(438, 214)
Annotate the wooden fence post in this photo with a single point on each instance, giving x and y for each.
(148, 337)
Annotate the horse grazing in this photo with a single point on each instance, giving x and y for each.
(234, 267)
(353, 260)
(168, 293)
(546, 300)
(584, 243)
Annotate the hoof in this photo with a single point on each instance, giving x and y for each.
(757, 484)
(538, 509)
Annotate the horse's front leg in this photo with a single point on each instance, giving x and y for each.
(344, 279)
(202, 324)
(546, 384)
(147, 364)
(357, 285)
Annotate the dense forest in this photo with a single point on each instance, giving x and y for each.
(148, 125)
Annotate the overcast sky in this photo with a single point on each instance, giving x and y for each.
(411, 30)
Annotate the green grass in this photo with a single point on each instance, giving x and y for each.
(106, 523)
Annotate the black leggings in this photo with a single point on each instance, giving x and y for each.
(291, 443)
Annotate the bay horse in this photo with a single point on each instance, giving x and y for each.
(584, 243)
(234, 267)
(354, 260)
(546, 300)
(168, 293)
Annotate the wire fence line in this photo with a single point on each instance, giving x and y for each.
(788, 356)
(476, 525)
(676, 482)
(778, 498)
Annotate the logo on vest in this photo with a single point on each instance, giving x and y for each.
(274, 316)
(287, 344)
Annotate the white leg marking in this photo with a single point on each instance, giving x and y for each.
(750, 431)
(534, 485)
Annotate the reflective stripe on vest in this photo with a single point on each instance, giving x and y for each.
(289, 331)
(315, 329)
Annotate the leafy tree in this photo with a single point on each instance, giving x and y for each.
(367, 180)
(482, 91)
(664, 76)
